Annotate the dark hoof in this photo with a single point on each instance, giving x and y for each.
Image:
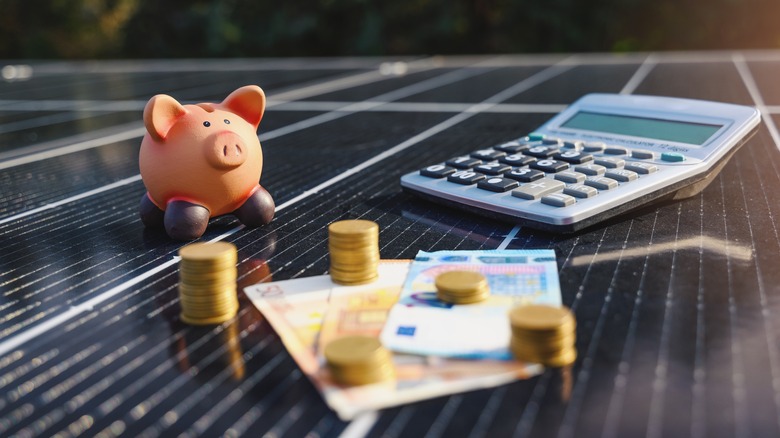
(185, 220)
(257, 210)
(151, 216)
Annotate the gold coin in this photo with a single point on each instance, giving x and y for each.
(463, 299)
(353, 227)
(207, 251)
(209, 280)
(354, 267)
(196, 269)
(208, 320)
(561, 358)
(204, 305)
(354, 350)
(210, 290)
(353, 241)
(351, 377)
(461, 282)
(536, 317)
(353, 276)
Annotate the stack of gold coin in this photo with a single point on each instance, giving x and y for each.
(354, 251)
(207, 283)
(359, 360)
(462, 287)
(543, 334)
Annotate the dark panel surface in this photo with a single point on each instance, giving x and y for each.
(677, 304)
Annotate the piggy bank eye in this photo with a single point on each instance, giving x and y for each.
(207, 124)
(227, 122)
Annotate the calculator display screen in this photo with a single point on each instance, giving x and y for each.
(669, 130)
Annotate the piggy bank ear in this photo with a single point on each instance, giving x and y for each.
(248, 102)
(160, 114)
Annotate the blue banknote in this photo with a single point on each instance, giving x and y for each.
(421, 324)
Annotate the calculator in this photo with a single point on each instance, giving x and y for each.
(604, 155)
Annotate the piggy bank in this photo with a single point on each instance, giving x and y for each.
(202, 161)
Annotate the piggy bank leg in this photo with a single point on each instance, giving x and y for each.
(151, 216)
(185, 220)
(257, 210)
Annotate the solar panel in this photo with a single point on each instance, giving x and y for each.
(676, 304)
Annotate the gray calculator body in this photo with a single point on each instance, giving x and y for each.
(602, 156)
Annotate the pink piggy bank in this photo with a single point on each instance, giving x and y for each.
(201, 161)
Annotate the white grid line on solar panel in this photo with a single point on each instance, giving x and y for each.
(18, 339)
(640, 74)
(755, 94)
(212, 65)
(360, 425)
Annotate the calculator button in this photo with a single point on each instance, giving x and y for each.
(572, 144)
(643, 168)
(524, 174)
(574, 157)
(580, 190)
(487, 154)
(568, 176)
(672, 157)
(437, 171)
(594, 146)
(551, 141)
(465, 177)
(599, 182)
(517, 160)
(615, 150)
(591, 169)
(542, 151)
(549, 166)
(498, 184)
(493, 168)
(463, 162)
(622, 175)
(641, 154)
(609, 162)
(512, 147)
(535, 136)
(558, 200)
(537, 189)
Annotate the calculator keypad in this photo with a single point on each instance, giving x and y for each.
(463, 162)
(549, 166)
(537, 189)
(498, 184)
(525, 174)
(437, 171)
(465, 177)
(554, 173)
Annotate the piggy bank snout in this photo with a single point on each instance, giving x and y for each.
(226, 150)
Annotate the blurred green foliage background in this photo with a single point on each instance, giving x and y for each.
(77, 29)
